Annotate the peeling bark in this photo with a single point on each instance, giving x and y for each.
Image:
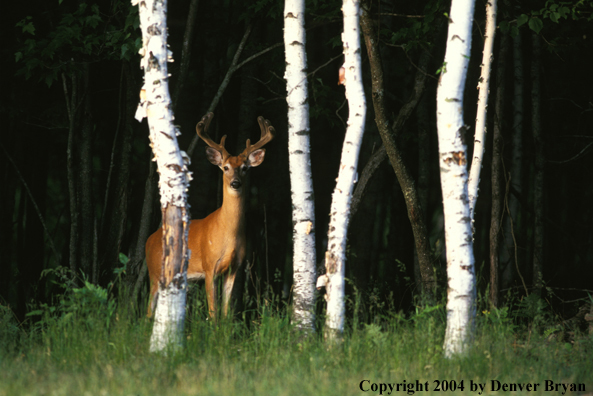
(303, 206)
(174, 179)
(461, 295)
(335, 256)
(481, 115)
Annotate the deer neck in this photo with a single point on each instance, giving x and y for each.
(232, 210)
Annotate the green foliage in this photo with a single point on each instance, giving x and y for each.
(553, 10)
(268, 355)
(9, 329)
(416, 32)
(89, 306)
(498, 320)
(535, 310)
(323, 101)
(83, 35)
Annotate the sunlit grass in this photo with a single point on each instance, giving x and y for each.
(88, 355)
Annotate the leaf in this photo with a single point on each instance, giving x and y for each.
(554, 16)
(536, 25)
(514, 31)
(49, 79)
(18, 56)
(123, 258)
(523, 18)
(29, 28)
(124, 51)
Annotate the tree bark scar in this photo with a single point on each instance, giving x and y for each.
(153, 63)
(153, 30)
(458, 157)
(330, 263)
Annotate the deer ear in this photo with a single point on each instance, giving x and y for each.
(257, 157)
(214, 156)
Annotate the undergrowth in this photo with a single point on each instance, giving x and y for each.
(88, 343)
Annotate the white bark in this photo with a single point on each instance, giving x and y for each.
(155, 104)
(452, 157)
(303, 212)
(335, 256)
(169, 316)
(484, 91)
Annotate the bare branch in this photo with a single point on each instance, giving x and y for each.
(224, 84)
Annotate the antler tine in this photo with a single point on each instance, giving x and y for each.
(202, 128)
(267, 134)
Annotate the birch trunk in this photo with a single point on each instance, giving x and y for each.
(481, 116)
(155, 104)
(538, 180)
(303, 207)
(335, 256)
(461, 296)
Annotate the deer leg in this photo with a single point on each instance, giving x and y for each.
(154, 295)
(229, 281)
(211, 295)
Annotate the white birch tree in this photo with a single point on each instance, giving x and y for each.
(484, 92)
(461, 295)
(335, 256)
(303, 206)
(155, 105)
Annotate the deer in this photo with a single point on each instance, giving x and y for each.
(217, 242)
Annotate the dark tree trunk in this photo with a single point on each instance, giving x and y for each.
(538, 180)
(114, 214)
(34, 180)
(407, 183)
(137, 273)
(7, 232)
(80, 175)
(497, 170)
(509, 251)
(87, 212)
(424, 157)
(72, 103)
(188, 37)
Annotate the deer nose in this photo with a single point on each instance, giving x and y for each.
(236, 184)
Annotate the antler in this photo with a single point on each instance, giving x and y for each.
(267, 134)
(202, 128)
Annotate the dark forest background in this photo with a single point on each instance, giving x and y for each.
(77, 187)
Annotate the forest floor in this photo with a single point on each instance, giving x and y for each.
(88, 345)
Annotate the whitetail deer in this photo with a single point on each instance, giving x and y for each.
(217, 242)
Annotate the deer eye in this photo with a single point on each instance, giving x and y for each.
(226, 168)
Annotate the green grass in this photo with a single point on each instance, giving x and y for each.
(88, 346)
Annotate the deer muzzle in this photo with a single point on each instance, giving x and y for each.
(236, 184)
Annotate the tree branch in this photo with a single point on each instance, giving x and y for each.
(224, 84)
